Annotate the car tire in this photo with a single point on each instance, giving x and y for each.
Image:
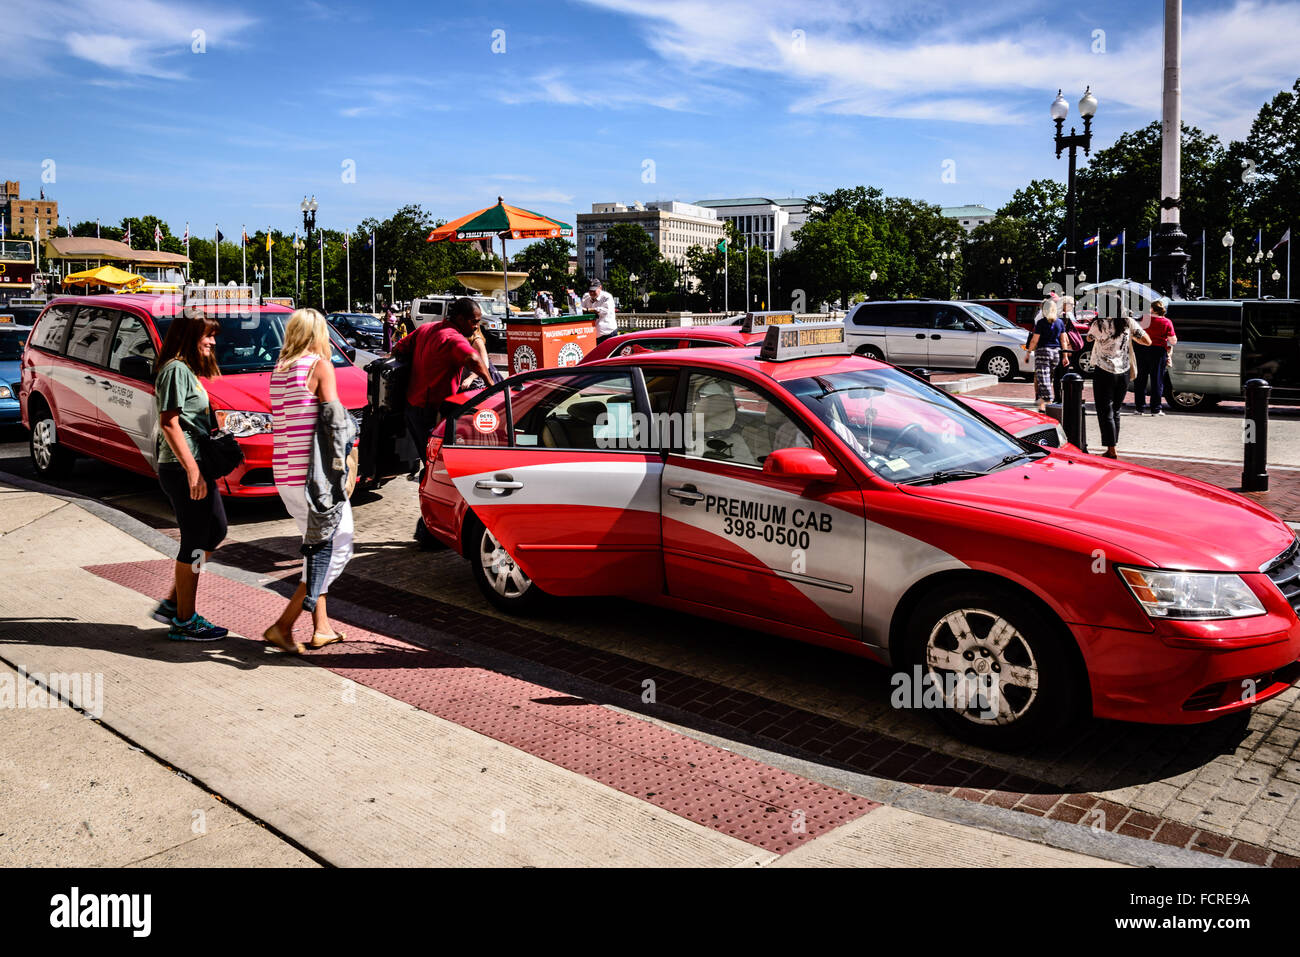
(1083, 364)
(502, 582)
(1001, 363)
(1192, 401)
(50, 458)
(871, 352)
(425, 538)
(1038, 687)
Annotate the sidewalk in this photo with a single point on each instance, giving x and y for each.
(376, 752)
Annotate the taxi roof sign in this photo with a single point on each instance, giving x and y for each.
(205, 294)
(758, 321)
(801, 340)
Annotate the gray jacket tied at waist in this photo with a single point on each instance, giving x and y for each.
(335, 434)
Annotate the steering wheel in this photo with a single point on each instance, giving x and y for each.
(911, 435)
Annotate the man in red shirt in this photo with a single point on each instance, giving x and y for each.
(439, 353)
(1153, 359)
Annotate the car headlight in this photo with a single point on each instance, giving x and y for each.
(1191, 595)
(6, 392)
(243, 424)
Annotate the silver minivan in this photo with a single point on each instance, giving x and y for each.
(939, 334)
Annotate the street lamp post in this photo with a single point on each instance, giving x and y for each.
(258, 272)
(873, 278)
(392, 287)
(946, 259)
(1005, 262)
(1060, 110)
(1228, 240)
(309, 207)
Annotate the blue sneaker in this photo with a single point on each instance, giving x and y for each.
(197, 628)
(164, 613)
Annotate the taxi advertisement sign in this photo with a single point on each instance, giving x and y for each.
(800, 341)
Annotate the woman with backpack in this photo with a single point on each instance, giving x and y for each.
(1113, 366)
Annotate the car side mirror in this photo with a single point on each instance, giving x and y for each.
(971, 325)
(800, 463)
(139, 368)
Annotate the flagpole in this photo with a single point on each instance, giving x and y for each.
(1098, 254)
(187, 249)
(1148, 257)
(1123, 254)
(372, 270)
(726, 279)
(243, 253)
(768, 303)
(322, 270)
(270, 266)
(1203, 280)
(217, 246)
(747, 277)
(347, 251)
(1259, 274)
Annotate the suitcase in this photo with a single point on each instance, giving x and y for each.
(385, 449)
(386, 380)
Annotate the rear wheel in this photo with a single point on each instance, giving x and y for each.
(1000, 363)
(871, 352)
(49, 457)
(1084, 363)
(1193, 401)
(500, 579)
(1005, 677)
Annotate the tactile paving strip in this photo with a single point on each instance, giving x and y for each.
(763, 806)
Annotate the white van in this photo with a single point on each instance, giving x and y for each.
(493, 324)
(939, 334)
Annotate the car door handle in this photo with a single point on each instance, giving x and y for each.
(1227, 355)
(105, 383)
(686, 494)
(920, 335)
(936, 336)
(89, 378)
(500, 485)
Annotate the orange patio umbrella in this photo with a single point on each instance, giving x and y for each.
(505, 222)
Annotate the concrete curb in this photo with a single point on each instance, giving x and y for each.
(1003, 821)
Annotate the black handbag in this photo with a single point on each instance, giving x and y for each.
(219, 453)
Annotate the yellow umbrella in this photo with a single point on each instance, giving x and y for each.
(103, 276)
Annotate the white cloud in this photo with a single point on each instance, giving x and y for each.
(972, 63)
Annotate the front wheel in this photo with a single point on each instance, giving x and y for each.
(995, 668)
(871, 352)
(1000, 363)
(499, 577)
(50, 459)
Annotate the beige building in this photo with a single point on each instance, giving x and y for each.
(21, 216)
(673, 227)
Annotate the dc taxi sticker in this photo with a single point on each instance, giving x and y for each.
(525, 359)
(485, 421)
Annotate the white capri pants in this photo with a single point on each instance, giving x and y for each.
(320, 569)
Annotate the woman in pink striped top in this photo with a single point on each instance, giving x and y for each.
(302, 380)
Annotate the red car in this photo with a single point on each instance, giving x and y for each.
(838, 500)
(88, 374)
(1024, 423)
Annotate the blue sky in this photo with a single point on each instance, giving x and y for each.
(725, 97)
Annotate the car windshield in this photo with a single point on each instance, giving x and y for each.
(904, 430)
(250, 342)
(360, 321)
(11, 344)
(991, 317)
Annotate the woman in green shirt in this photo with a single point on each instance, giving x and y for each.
(183, 412)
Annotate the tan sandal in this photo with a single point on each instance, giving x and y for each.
(316, 641)
(287, 645)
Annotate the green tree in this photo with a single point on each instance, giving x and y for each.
(547, 264)
(629, 246)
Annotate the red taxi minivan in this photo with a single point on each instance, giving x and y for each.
(88, 374)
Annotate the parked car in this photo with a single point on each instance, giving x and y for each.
(360, 330)
(12, 339)
(434, 308)
(87, 382)
(939, 334)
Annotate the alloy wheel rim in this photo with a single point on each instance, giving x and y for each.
(983, 666)
(999, 366)
(503, 574)
(1189, 400)
(42, 443)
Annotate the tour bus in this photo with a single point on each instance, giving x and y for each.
(17, 263)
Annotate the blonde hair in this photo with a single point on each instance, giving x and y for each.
(1067, 303)
(1050, 309)
(306, 333)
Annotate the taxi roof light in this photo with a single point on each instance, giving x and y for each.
(802, 340)
(758, 321)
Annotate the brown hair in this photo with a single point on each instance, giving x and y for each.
(182, 343)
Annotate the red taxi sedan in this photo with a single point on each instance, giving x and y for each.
(88, 373)
(838, 500)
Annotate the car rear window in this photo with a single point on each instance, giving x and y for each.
(52, 330)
